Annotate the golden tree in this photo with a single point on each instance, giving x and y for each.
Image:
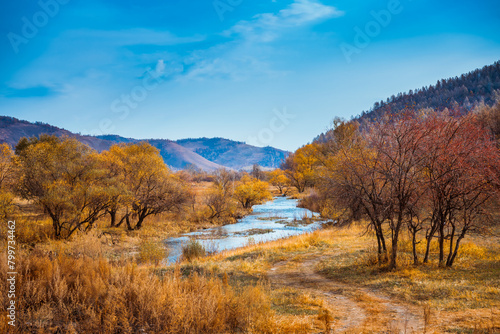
(148, 187)
(299, 167)
(6, 180)
(251, 191)
(64, 177)
(278, 179)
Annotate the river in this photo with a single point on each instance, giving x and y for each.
(276, 219)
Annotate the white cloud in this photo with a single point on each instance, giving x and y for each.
(246, 55)
(267, 26)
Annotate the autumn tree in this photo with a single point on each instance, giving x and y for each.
(219, 197)
(149, 186)
(251, 191)
(400, 167)
(6, 180)
(423, 171)
(279, 179)
(299, 167)
(122, 197)
(461, 171)
(63, 176)
(349, 181)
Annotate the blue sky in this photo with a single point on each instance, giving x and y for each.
(272, 72)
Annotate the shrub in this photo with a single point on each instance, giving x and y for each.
(151, 252)
(192, 250)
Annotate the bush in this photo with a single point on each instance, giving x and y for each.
(192, 250)
(151, 252)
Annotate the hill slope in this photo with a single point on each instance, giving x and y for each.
(217, 153)
(462, 92)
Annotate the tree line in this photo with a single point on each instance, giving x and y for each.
(433, 174)
(78, 187)
(478, 88)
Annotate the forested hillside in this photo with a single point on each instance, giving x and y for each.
(463, 92)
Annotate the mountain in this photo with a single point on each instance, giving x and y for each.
(463, 93)
(234, 154)
(215, 153)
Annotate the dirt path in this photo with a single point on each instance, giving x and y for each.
(358, 310)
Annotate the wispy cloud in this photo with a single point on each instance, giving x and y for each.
(266, 27)
(108, 57)
(248, 51)
(27, 92)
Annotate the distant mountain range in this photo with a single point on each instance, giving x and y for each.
(205, 153)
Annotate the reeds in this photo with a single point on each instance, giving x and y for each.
(64, 294)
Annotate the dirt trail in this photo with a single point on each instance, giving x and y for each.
(359, 310)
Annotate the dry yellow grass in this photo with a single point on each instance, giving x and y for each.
(61, 293)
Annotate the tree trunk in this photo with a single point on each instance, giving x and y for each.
(441, 244)
(414, 246)
(450, 251)
(112, 214)
(139, 222)
(141, 216)
(121, 220)
(57, 228)
(56, 225)
(379, 247)
(457, 245)
(382, 239)
(382, 248)
(429, 238)
(127, 220)
(395, 237)
(394, 255)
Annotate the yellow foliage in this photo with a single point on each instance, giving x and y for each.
(6, 180)
(299, 167)
(279, 179)
(251, 191)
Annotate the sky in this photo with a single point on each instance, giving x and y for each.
(269, 73)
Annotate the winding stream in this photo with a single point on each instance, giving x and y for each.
(276, 219)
